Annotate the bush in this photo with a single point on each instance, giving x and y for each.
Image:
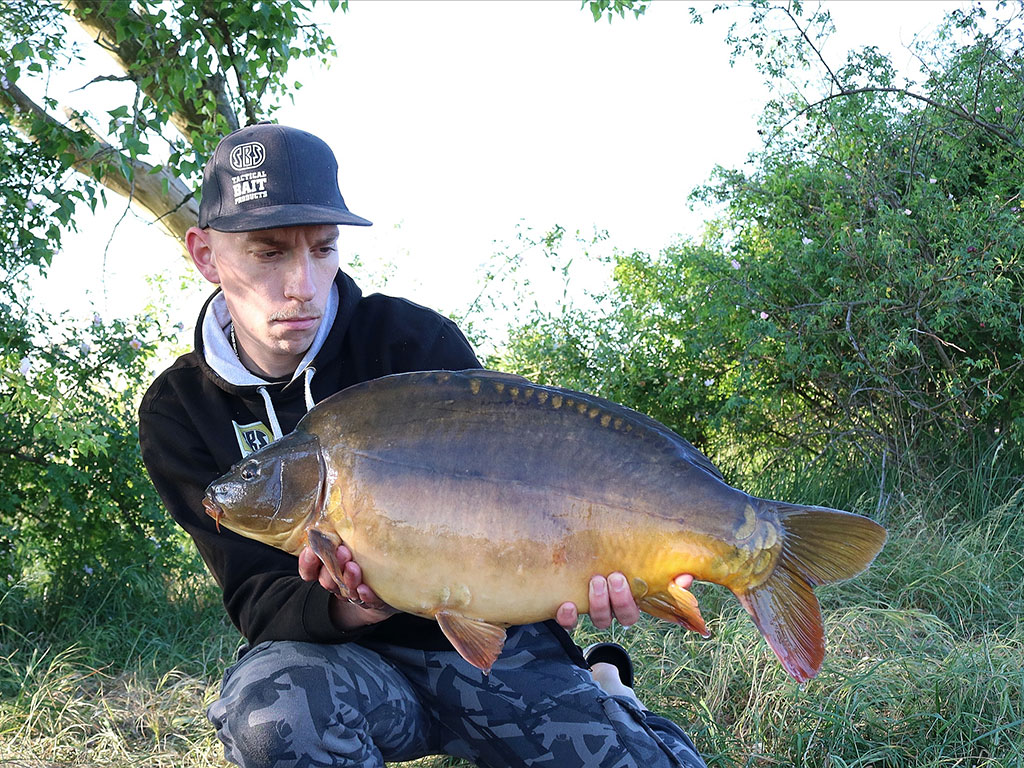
(859, 294)
(76, 505)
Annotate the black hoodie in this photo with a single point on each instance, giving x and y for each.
(204, 412)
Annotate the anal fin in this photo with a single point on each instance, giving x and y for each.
(478, 642)
(677, 605)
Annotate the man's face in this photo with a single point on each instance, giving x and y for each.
(276, 283)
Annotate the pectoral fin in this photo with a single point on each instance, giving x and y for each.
(325, 545)
(677, 605)
(478, 642)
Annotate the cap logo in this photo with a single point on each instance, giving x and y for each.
(245, 157)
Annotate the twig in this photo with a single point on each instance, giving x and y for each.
(803, 34)
(960, 113)
(104, 78)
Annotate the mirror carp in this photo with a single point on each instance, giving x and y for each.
(482, 500)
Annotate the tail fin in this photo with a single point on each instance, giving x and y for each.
(819, 546)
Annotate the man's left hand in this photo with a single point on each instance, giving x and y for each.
(610, 600)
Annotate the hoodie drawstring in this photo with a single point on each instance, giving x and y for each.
(275, 425)
(308, 373)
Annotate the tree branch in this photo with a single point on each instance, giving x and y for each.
(146, 186)
(958, 112)
(807, 39)
(99, 19)
(250, 111)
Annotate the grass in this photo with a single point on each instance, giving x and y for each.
(925, 664)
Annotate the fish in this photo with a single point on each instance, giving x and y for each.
(483, 500)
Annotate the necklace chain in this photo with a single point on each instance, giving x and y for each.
(231, 338)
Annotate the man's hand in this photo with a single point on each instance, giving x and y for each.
(360, 606)
(610, 599)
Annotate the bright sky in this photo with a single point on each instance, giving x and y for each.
(456, 122)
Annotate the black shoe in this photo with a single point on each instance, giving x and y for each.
(614, 654)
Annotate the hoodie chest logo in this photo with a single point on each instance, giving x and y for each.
(252, 437)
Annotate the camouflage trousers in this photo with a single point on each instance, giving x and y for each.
(303, 704)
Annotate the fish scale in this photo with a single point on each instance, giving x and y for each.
(483, 500)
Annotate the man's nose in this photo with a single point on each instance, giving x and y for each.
(300, 284)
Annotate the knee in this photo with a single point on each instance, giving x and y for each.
(257, 723)
(290, 720)
(269, 722)
(265, 745)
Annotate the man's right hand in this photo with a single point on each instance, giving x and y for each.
(360, 606)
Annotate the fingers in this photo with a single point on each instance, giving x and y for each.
(611, 600)
(624, 607)
(684, 581)
(351, 588)
(359, 592)
(309, 565)
(567, 615)
(600, 604)
(312, 569)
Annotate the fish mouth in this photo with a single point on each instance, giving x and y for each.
(214, 510)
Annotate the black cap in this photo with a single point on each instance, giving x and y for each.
(266, 176)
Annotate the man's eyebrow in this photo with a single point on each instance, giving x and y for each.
(256, 238)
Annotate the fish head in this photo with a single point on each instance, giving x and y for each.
(272, 494)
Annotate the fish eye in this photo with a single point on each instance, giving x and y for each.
(250, 471)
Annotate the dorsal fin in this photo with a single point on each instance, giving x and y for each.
(486, 373)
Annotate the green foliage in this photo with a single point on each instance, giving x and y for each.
(879, 245)
(860, 292)
(611, 8)
(77, 508)
(192, 64)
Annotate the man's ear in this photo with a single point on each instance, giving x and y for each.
(197, 241)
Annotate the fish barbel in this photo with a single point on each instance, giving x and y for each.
(481, 500)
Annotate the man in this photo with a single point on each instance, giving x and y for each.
(326, 680)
